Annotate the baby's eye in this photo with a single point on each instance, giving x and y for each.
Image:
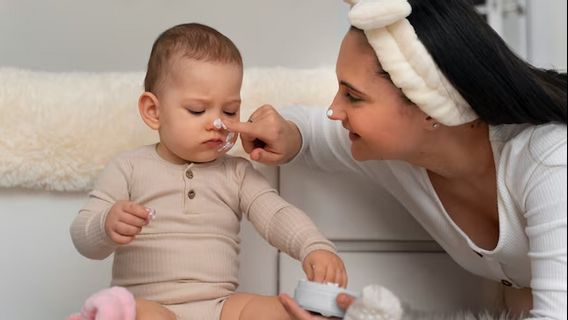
(195, 111)
(230, 114)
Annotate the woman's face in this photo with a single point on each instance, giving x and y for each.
(382, 124)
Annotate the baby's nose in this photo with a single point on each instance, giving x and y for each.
(218, 124)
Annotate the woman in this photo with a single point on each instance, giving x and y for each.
(472, 141)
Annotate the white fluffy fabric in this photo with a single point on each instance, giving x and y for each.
(378, 303)
(58, 130)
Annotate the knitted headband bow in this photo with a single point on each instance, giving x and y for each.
(407, 61)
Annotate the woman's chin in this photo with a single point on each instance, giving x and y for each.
(358, 155)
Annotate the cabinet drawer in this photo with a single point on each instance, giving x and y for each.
(347, 207)
(423, 280)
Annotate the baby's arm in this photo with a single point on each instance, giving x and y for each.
(88, 228)
(289, 229)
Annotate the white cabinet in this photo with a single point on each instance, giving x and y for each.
(509, 19)
(427, 281)
(534, 29)
(345, 206)
(380, 243)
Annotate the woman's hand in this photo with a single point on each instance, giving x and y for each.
(344, 301)
(268, 137)
(297, 313)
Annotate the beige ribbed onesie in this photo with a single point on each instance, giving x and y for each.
(188, 255)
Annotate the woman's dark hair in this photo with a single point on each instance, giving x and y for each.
(499, 86)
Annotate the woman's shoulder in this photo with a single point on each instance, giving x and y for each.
(547, 143)
(540, 144)
(532, 162)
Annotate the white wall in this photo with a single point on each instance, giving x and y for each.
(117, 35)
(547, 33)
(110, 35)
(41, 274)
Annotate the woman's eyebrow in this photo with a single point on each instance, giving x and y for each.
(350, 86)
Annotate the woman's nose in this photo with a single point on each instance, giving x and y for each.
(335, 113)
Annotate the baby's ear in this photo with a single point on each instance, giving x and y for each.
(149, 111)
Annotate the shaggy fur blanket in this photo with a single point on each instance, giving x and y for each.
(58, 130)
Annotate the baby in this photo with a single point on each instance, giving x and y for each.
(171, 212)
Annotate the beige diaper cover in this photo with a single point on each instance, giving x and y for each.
(198, 310)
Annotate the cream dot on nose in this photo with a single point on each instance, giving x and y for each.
(329, 112)
(217, 123)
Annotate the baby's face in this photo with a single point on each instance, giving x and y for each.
(194, 95)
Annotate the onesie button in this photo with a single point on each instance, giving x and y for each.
(506, 283)
(189, 174)
(191, 194)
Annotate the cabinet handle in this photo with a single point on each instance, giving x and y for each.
(513, 7)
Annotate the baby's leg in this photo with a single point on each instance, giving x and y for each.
(246, 306)
(150, 310)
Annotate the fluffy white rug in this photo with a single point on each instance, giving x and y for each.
(379, 303)
(58, 130)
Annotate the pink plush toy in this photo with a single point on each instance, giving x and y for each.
(114, 303)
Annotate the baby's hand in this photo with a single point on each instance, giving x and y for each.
(125, 220)
(325, 266)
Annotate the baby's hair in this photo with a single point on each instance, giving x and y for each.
(190, 40)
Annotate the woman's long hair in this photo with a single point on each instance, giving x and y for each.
(499, 86)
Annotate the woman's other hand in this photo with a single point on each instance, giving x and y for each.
(268, 137)
(295, 311)
(344, 301)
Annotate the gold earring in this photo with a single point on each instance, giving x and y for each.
(435, 125)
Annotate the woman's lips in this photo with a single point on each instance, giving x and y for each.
(353, 136)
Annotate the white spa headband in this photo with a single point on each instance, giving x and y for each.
(404, 57)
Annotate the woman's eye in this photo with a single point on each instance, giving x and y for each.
(352, 98)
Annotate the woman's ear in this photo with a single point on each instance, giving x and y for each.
(431, 124)
(149, 110)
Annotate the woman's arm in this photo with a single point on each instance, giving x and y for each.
(325, 143)
(299, 134)
(544, 200)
